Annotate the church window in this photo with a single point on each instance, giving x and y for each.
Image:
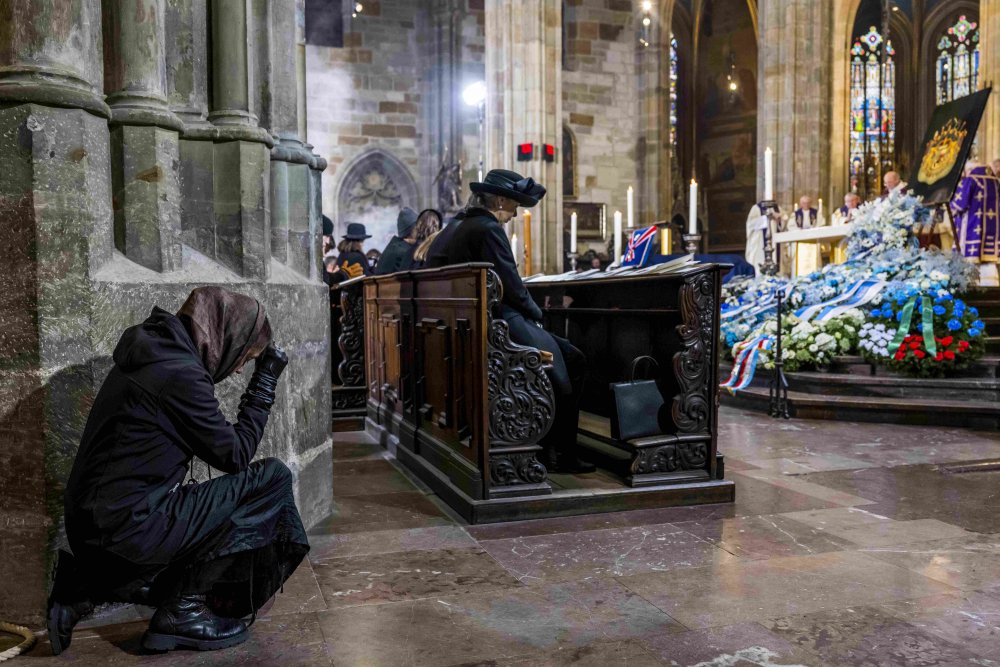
(674, 77)
(957, 65)
(873, 111)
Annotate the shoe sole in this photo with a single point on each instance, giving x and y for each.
(152, 641)
(55, 639)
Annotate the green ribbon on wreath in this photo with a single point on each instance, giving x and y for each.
(927, 324)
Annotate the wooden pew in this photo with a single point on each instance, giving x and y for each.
(449, 393)
(348, 356)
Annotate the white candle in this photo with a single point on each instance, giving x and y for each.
(572, 232)
(693, 208)
(819, 213)
(768, 174)
(629, 210)
(513, 249)
(618, 238)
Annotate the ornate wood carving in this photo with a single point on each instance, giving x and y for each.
(670, 458)
(692, 407)
(521, 398)
(352, 337)
(349, 400)
(435, 391)
(507, 469)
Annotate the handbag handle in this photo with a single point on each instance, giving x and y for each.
(637, 360)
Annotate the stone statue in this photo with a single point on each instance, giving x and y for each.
(449, 185)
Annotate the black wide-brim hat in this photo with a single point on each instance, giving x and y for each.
(512, 185)
(356, 232)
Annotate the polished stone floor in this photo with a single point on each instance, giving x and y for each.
(848, 544)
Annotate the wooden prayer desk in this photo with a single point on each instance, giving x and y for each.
(672, 317)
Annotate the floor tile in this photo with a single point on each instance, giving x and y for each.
(628, 653)
(368, 477)
(888, 533)
(473, 629)
(770, 536)
(603, 553)
(836, 518)
(381, 512)
(392, 577)
(751, 590)
(731, 645)
(965, 563)
(299, 594)
(969, 619)
(799, 484)
(387, 541)
(798, 465)
(868, 636)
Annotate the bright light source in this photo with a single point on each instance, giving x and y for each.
(474, 94)
(358, 7)
(733, 86)
(646, 21)
(647, 6)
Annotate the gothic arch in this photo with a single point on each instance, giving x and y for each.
(938, 20)
(374, 186)
(569, 158)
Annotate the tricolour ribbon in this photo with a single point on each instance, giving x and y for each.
(745, 364)
(927, 324)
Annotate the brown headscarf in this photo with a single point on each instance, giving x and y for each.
(226, 328)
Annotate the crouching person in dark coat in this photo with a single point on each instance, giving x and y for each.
(477, 235)
(206, 554)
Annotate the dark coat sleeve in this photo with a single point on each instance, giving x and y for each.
(190, 405)
(496, 249)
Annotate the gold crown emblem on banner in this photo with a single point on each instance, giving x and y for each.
(942, 152)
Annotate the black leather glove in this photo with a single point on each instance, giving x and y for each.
(264, 382)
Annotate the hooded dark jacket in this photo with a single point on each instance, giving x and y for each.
(397, 256)
(154, 412)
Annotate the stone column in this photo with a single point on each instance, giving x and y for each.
(524, 104)
(144, 134)
(653, 196)
(989, 70)
(55, 213)
(794, 84)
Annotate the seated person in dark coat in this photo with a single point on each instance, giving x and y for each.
(351, 262)
(479, 237)
(204, 554)
(398, 255)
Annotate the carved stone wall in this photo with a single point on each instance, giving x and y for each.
(372, 190)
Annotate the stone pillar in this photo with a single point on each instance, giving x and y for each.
(144, 134)
(187, 93)
(55, 212)
(232, 70)
(794, 83)
(524, 104)
(654, 192)
(989, 70)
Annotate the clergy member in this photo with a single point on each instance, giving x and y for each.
(976, 205)
(850, 207)
(894, 185)
(995, 166)
(806, 216)
(759, 228)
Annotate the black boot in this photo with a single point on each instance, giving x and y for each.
(187, 622)
(68, 603)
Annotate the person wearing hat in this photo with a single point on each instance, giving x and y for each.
(478, 236)
(351, 261)
(398, 255)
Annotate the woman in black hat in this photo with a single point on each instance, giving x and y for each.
(351, 262)
(479, 237)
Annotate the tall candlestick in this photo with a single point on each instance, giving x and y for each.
(768, 174)
(527, 243)
(664, 233)
(819, 213)
(629, 209)
(572, 232)
(618, 238)
(693, 208)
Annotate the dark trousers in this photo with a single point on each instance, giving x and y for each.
(569, 369)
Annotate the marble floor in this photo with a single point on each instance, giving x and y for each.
(848, 544)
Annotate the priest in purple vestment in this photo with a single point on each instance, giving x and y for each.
(976, 206)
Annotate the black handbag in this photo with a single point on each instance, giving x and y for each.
(638, 405)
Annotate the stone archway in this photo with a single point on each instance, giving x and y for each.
(374, 187)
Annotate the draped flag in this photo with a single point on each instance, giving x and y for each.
(638, 247)
(859, 294)
(747, 354)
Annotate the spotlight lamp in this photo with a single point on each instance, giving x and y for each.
(647, 6)
(358, 7)
(474, 94)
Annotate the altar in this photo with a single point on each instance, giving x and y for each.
(805, 250)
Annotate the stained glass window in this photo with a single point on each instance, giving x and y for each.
(674, 77)
(957, 67)
(873, 111)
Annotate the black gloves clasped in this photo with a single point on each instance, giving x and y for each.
(268, 368)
